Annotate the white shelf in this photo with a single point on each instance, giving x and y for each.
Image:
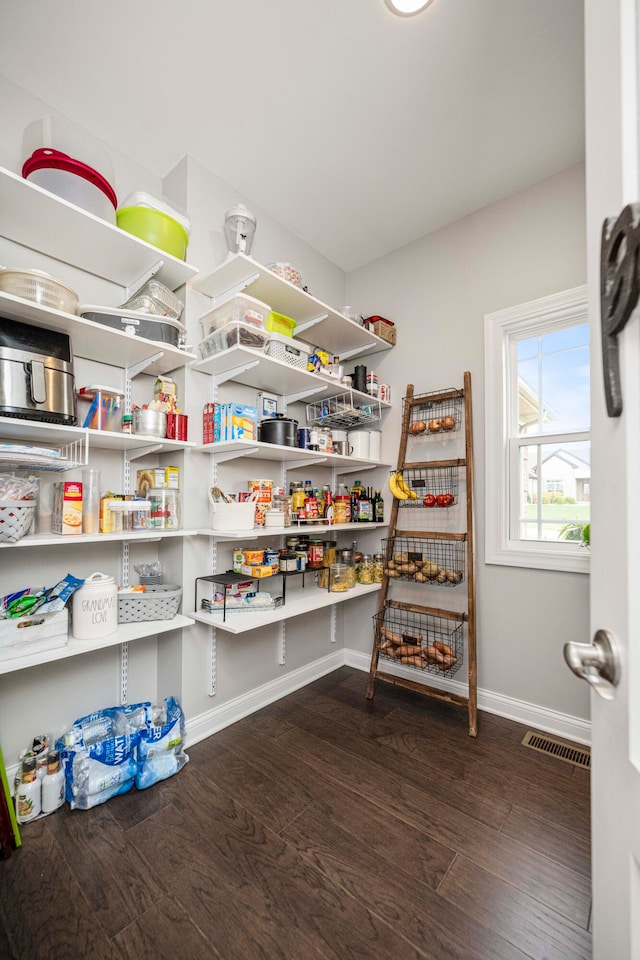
(257, 450)
(126, 633)
(93, 340)
(37, 219)
(255, 369)
(57, 540)
(300, 602)
(27, 431)
(304, 528)
(317, 322)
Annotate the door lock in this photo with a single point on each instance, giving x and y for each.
(597, 662)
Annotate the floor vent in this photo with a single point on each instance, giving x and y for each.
(579, 756)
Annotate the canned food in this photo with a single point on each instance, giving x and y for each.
(316, 553)
(254, 557)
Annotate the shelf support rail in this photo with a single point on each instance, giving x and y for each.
(124, 673)
(282, 646)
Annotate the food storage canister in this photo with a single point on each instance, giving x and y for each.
(95, 608)
(338, 578)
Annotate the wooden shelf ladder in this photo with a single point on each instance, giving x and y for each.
(388, 606)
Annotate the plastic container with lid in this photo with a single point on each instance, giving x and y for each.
(279, 323)
(287, 271)
(156, 221)
(39, 287)
(165, 508)
(100, 408)
(57, 133)
(233, 335)
(72, 180)
(238, 309)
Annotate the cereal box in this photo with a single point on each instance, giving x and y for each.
(66, 517)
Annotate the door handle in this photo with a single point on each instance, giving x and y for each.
(37, 382)
(597, 662)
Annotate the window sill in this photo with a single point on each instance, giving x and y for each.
(540, 557)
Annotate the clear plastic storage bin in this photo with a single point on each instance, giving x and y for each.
(231, 335)
(100, 408)
(239, 309)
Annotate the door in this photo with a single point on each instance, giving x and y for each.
(611, 35)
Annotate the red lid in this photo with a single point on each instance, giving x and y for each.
(45, 158)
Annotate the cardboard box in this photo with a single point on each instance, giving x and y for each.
(23, 636)
(149, 479)
(242, 422)
(384, 329)
(66, 517)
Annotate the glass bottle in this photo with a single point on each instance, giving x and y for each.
(378, 507)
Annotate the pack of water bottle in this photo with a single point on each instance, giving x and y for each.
(107, 752)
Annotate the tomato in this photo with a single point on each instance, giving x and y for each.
(444, 499)
(429, 500)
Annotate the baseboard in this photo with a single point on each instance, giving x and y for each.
(203, 725)
(529, 714)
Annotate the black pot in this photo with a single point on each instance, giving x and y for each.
(279, 429)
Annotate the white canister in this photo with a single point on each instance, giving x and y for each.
(339, 435)
(95, 608)
(375, 437)
(359, 440)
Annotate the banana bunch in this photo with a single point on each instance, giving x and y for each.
(399, 487)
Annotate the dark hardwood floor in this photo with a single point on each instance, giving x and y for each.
(324, 826)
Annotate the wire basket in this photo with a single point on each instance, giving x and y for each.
(428, 483)
(16, 517)
(438, 413)
(440, 561)
(343, 411)
(422, 640)
(157, 603)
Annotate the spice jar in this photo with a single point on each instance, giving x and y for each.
(364, 572)
(338, 578)
(378, 567)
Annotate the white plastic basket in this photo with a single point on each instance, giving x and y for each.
(232, 516)
(284, 349)
(157, 603)
(16, 517)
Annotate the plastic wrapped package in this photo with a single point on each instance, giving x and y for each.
(161, 746)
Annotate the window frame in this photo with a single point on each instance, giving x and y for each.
(502, 452)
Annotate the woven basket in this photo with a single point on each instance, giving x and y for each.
(16, 517)
(157, 603)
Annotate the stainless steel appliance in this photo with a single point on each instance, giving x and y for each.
(36, 373)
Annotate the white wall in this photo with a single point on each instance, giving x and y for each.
(437, 290)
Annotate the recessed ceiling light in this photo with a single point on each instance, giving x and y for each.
(407, 8)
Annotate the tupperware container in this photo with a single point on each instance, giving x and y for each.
(141, 199)
(59, 134)
(278, 323)
(232, 335)
(40, 288)
(157, 299)
(238, 309)
(72, 180)
(100, 408)
(155, 227)
(287, 271)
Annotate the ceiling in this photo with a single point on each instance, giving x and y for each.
(358, 130)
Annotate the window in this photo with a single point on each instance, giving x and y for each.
(537, 418)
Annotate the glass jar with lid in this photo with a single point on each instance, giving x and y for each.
(283, 503)
(338, 578)
(378, 567)
(328, 558)
(348, 558)
(364, 572)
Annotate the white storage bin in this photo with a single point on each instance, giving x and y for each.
(289, 351)
(231, 335)
(67, 137)
(239, 309)
(22, 636)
